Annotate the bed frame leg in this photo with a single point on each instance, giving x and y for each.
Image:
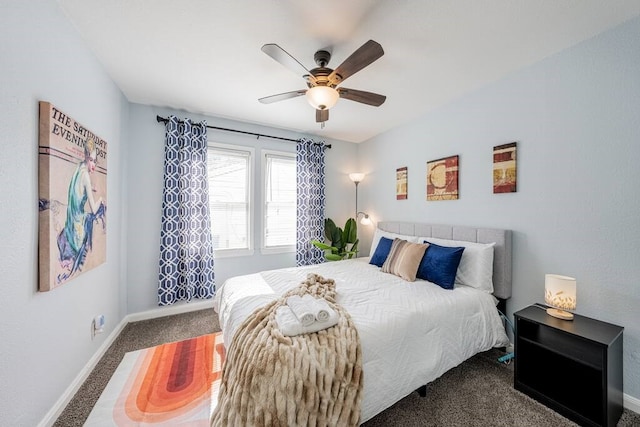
(422, 391)
(502, 305)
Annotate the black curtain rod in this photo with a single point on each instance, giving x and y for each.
(165, 120)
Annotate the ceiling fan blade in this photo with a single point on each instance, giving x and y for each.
(363, 56)
(282, 96)
(283, 57)
(368, 98)
(322, 115)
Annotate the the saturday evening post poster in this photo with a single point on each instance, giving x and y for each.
(72, 185)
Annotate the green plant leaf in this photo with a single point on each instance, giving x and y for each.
(350, 234)
(354, 248)
(333, 257)
(323, 246)
(329, 229)
(350, 254)
(336, 239)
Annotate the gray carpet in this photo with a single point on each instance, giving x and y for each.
(479, 392)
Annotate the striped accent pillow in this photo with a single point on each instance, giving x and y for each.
(404, 259)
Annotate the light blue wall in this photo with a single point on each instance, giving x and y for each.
(45, 337)
(576, 119)
(145, 156)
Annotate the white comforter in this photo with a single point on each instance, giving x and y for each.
(411, 332)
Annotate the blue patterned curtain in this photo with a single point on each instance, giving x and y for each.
(186, 249)
(311, 200)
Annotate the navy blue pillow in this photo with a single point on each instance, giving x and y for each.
(382, 252)
(439, 265)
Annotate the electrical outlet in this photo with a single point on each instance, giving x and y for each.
(97, 325)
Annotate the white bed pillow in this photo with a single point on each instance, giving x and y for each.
(381, 233)
(476, 264)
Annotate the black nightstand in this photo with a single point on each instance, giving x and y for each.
(572, 366)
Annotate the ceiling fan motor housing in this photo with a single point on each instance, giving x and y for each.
(322, 58)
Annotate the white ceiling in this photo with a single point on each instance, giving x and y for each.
(203, 56)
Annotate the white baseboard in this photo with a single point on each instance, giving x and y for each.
(631, 403)
(178, 308)
(53, 414)
(66, 397)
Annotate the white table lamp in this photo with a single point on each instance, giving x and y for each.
(560, 294)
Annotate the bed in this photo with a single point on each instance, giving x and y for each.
(411, 332)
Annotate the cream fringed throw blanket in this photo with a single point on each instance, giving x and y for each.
(307, 380)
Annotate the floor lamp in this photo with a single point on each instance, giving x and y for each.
(356, 177)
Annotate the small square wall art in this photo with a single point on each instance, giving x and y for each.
(504, 168)
(401, 183)
(442, 179)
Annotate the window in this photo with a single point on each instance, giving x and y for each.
(279, 229)
(229, 169)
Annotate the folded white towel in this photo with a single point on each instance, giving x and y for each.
(321, 309)
(290, 326)
(302, 309)
(318, 306)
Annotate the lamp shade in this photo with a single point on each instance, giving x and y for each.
(365, 218)
(560, 293)
(356, 176)
(322, 97)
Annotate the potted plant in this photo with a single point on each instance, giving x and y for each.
(339, 244)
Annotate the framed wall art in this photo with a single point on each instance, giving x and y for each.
(442, 179)
(401, 183)
(504, 168)
(72, 191)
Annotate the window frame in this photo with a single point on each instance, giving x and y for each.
(250, 152)
(263, 248)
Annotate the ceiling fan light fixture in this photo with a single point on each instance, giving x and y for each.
(322, 97)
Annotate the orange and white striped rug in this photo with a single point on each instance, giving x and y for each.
(173, 384)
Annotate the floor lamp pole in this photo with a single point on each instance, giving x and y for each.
(356, 177)
(356, 217)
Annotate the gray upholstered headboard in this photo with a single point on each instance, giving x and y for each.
(501, 253)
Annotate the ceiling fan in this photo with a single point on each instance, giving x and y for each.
(323, 82)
